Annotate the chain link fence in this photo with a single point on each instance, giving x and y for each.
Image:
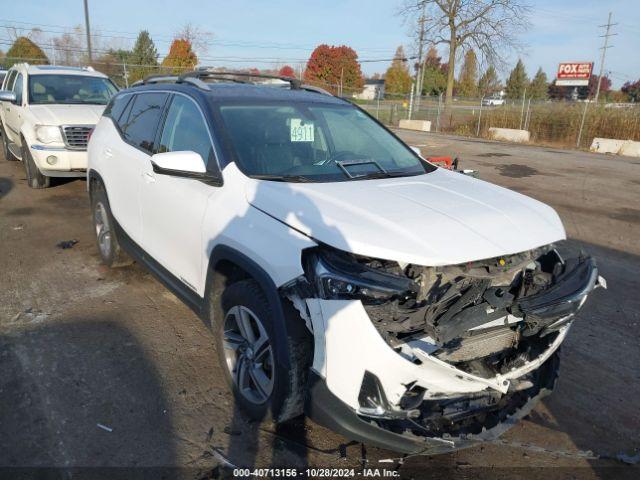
(554, 123)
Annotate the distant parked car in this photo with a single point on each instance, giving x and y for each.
(492, 101)
(3, 73)
(47, 114)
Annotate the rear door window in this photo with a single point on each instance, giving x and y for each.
(140, 125)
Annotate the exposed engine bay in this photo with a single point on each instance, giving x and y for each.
(486, 318)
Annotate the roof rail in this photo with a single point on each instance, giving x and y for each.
(159, 78)
(197, 77)
(206, 72)
(313, 88)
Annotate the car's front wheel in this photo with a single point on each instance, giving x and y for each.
(35, 178)
(107, 239)
(247, 344)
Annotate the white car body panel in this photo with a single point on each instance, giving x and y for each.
(230, 220)
(336, 323)
(66, 114)
(441, 218)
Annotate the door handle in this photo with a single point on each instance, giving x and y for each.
(148, 177)
(107, 152)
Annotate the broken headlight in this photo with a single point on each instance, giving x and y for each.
(337, 275)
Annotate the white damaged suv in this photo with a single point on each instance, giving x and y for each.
(47, 114)
(400, 304)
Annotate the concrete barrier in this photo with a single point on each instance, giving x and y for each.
(618, 147)
(420, 125)
(509, 134)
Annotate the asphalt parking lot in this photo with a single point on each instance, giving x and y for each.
(106, 368)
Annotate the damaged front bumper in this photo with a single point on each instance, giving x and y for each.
(411, 399)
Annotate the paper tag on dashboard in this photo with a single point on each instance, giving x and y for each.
(301, 131)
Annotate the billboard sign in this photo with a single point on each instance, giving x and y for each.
(574, 74)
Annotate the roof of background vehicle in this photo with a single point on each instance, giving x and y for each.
(58, 70)
(243, 91)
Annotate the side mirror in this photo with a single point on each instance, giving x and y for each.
(183, 164)
(7, 96)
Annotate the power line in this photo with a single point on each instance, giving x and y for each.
(62, 29)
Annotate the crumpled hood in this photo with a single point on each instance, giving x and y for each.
(67, 114)
(441, 218)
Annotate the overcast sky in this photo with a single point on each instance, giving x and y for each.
(261, 33)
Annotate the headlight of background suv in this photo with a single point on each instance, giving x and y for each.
(48, 134)
(337, 275)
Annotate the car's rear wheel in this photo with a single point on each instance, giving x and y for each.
(35, 179)
(109, 247)
(246, 343)
(8, 156)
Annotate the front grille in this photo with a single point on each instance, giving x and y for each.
(76, 136)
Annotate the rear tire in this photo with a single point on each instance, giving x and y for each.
(109, 247)
(8, 156)
(262, 387)
(35, 179)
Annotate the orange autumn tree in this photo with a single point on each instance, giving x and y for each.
(181, 57)
(330, 66)
(287, 71)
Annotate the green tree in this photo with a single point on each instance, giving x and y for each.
(24, 50)
(489, 82)
(468, 79)
(397, 80)
(539, 87)
(517, 82)
(181, 57)
(144, 57)
(434, 78)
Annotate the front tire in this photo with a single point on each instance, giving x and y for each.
(109, 247)
(246, 345)
(35, 179)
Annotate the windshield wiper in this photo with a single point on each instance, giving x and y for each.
(283, 178)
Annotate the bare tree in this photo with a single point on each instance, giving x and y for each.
(199, 39)
(488, 26)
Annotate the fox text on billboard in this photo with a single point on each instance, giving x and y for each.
(574, 74)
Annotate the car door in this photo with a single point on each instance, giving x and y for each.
(14, 111)
(7, 84)
(124, 158)
(173, 207)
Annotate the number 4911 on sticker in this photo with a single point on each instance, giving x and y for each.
(301, 131)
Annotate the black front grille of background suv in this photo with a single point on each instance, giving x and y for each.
(76, 137)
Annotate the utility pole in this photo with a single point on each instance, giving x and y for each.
(419, 70)
(604, 48)
(606, 36)
(86, 23)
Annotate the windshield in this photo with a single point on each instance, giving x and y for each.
(70, 89)
(315, 142)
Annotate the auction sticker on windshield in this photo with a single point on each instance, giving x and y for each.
(301, 131)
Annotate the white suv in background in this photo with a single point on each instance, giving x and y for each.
(401, 304)
(47, 113)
